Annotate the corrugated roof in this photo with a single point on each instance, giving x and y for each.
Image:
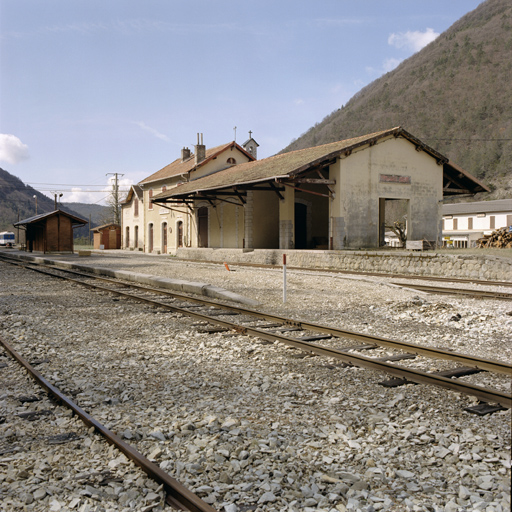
(178, 167)
(498, 205)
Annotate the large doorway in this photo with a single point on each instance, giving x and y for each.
(202, 226)
(393, 217)
(301, 226)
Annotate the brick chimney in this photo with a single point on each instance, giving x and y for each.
(200, 150)
(185, 154)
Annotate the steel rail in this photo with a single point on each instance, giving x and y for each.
(485, 394)
(490, 365)
(410, 375)
(486, 294)
(177, 495)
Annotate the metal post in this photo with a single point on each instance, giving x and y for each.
(284, 277)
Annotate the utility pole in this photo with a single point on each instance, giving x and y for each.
(55, 194)
(115, 196)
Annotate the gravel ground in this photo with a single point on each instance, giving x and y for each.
(246, 424)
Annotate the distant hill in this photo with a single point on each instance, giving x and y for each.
(455, 95)
(17, 203)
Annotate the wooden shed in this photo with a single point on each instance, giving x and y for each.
(50, 232)
(107, 236)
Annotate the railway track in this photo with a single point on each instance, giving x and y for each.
(410, 277)
(178, 496)
(312, 338)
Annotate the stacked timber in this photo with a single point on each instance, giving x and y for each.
(500, 238)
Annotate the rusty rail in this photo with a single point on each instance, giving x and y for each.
(177, 495)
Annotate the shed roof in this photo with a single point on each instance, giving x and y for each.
(287, 165)
(498, 205)
(104, 226)
(42, 216)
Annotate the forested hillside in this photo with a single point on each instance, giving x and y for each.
(17, 202)
(455, 95)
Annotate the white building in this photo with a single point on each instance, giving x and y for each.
(465, 223)
(132, 218)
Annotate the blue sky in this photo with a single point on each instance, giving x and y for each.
(91, 87)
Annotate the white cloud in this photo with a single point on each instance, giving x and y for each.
(12, 150)
(152, 131)
(414, 41)
(390, 64)
(79, 195)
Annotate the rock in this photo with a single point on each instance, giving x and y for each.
(267, 497)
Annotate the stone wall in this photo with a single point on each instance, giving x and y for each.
(489, 268)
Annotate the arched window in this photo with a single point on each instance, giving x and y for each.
(136, 237)
(127, 238)
(179, 233)
(231, 161)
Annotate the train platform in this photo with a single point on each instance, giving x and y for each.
(160, 271)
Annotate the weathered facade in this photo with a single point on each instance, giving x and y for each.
(331, 197)
(168, 227)
(50, 232)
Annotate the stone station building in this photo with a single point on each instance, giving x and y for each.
(333, 196)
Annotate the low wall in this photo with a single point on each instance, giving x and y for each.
(488, 268)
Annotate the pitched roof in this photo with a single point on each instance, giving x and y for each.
(179, 167)
(286, 165)
(134, 190)
(277, 166)
(36, 218)
(498, 205)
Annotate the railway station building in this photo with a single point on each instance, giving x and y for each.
(167, 227)
(333, 196)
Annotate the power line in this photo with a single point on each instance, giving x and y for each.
(469, 140)
(65, 184)
(79, 191)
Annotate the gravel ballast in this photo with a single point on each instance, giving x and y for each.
(246, 424)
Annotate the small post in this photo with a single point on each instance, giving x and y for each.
(284, 277)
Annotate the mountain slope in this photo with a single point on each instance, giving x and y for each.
(17, 202)
(455, 95)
